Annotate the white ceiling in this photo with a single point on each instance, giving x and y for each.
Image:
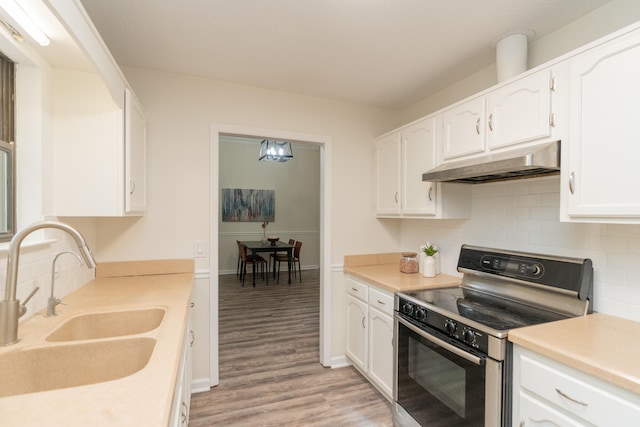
(388, 53)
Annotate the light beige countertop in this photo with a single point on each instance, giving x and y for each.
(383, 270)
(601, 345)
(142, 398)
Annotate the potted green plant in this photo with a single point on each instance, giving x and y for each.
(429, 264)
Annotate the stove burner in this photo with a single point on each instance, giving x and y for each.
(503, 316)
(495, 313)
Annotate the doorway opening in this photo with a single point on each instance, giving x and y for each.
(324, 145)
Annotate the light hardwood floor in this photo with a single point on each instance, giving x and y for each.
(270, 373)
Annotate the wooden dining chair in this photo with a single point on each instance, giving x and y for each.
(291, 262)
(250, 259)
(240, 264)
(279, 256)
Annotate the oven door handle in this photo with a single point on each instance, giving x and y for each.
(453, 349)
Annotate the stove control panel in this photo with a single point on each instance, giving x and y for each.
(554, 272)
(513, 266)
(456, 330)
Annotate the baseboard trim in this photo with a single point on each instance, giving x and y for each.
(340, 362)
(200, 385)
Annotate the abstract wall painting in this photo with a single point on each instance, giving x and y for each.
(248, 205)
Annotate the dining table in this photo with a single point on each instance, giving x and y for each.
(256, 247)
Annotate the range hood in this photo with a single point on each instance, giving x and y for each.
(527, 162)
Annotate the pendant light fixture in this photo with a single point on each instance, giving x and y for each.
(275, 151)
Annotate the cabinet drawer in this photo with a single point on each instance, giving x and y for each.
(535, 413)
(357, 289)
(577, 395)
(381, 301)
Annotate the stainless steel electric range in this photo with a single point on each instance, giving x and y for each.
(452, 358)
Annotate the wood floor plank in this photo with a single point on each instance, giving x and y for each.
(270, 374)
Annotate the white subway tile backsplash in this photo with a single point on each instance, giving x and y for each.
(544, 212)
(613, 276)
(633, 245)
(529, 200)
(523, 215)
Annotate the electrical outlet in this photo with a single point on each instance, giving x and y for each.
(199, 249)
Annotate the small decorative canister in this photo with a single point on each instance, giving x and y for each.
(409, 262)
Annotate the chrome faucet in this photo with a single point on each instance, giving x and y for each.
(10, 308)
(52, 302)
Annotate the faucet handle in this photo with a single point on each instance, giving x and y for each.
(23, 306)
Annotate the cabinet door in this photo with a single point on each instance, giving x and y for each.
(182, 393)
(388, 175)
(357, 337)
(520, 111)
(604, 136)
(463, 129)
(88, 168)
(135, 156)
(418, 156)
(381, 350)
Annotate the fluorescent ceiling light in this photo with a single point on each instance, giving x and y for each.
(21, 22)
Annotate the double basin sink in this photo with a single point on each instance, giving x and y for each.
(89, 348)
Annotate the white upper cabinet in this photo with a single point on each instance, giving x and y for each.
(463, 129)
(517, 112)
(99, 130)
(135, 144)
(520, 111)
(99, 149)
(401, 159)
(418, 156)
(600, 173)
(387, 158)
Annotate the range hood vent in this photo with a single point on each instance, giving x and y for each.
(528, 162)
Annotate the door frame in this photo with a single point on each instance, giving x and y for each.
(324, 143)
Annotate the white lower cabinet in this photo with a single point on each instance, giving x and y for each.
(357, 337)
(182, 394)
(549, 393)
(370, 333)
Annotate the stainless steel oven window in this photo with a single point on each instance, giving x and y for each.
(440, 385)
(445, 379)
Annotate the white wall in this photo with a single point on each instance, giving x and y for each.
(297, 199)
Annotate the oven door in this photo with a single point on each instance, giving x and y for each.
(438, 383)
